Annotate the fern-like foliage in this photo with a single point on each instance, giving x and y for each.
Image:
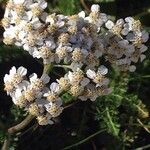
(121, 112)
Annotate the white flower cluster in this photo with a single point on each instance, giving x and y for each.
(46, 103)
(81, 42)
(78, 39)
(125, 43)
(33, 95)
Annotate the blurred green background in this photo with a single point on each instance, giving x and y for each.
(85, 118)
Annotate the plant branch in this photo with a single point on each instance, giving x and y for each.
(84, 140)
(21, 125)
(47, 68)
(69, 105)
(6, 143)
(15, 129)
(85, 6)
(111, 122)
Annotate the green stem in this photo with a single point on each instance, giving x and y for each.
(63, 66)
(21, 125)
(143, 147)
(47, 68)
(140, 77)
(84, 140)
(111, 122)
(16, 129)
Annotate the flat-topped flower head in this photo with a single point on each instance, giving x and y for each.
(53, 94)
(35, 110)
(76, 90)
(115, 28)
(19, 99)
(90, 92)
(79, 42)
(132, 24)
(78, 54)
(54, 109)
(13, 79)
(99, 76)
(75, 77)
(63, 83)
(38, 84)
(44, 119)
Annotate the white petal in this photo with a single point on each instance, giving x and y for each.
(43, 4)
(84, 82)
(129, 19)
(13, 70)
(125, 31)
(22, 71)
(41, 102)
(145, 36)
(18, 92)
(6, 78)
(33, 77)
(102, 70)
(132, 68)
(36, 54)
(59, 102)
(82, 98)
(45, 78)
(93, 98)
(81, 14)
(18, 1)
(90, 74)
(130, 37)
(95, 8)
(55, 87)
(120, 22)
(109, 24)
(143, 48)
(142, 57)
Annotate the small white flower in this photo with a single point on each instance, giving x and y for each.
(45, 119)
(19, 99)
(13, 73)
(38, 84)
(95, 8)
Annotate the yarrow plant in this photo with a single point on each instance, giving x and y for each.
(84, 44)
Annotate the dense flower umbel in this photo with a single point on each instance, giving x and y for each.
(30, 94)
(78, 41)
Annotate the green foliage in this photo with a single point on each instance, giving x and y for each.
(9, 52)
(120, 112)
(68, 7)
(67, 98)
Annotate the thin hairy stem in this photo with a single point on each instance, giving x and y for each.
(63, 66)
(85, 6)
(21, 125)
(84, 140)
